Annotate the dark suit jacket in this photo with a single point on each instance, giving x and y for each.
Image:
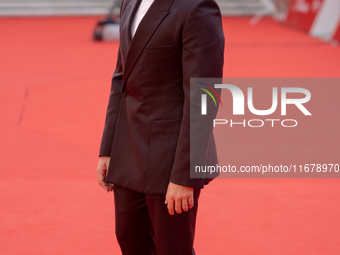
(146, 131)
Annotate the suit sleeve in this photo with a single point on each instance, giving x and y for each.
(112, 109)
(202, 57)
(113, 105)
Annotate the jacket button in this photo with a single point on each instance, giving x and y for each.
(124, 93)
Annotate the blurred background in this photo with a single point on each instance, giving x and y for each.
(56, 63)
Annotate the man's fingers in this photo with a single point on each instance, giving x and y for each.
(102, 171)
(191, 201)
(185, 206)
(178, 205)
(170, 206)
(108, 187)
(101, 178)
(103, 184)
(179, 198)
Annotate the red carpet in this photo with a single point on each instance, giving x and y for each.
(54, 85)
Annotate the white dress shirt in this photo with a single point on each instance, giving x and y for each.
(142, 9)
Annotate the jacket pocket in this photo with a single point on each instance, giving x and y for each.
(159, 49)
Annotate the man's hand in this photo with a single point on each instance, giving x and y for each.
(103, 165)
(179, 198)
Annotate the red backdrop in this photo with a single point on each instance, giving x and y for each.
(302, 13)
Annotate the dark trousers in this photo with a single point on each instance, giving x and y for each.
(144, 226)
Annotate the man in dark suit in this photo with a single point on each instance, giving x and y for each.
(145, 148)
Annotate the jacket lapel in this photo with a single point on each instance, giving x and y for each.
(126, 21)
(154, 16)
